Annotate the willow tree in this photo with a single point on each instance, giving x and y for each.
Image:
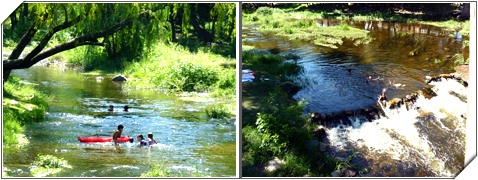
(118, 28)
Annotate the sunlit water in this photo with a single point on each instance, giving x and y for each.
(190, 144)
(405, 143)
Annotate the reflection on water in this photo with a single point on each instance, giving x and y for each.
(79, 108)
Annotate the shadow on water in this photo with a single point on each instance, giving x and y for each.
(79, 108)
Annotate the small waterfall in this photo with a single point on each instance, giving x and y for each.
(430, 136)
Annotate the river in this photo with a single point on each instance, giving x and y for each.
(190, 144)
(404, 143)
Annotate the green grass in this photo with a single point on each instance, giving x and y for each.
(217, 112)
(45, 165)
(162, 170)
(452, 25)
(173, 67)
(300, 25)
(273, 124)
(22, 105)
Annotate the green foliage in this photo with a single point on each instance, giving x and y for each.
(161, 170)
(346, 164)
(277, 128)
(217, 112)
(270, 65)
(158, 170)
(187, 76)
(280, 124)
(45, 165)
(452, 25)
(22, 105)
(300, 25)
(172, 67)
(294, 166)
(146, 25)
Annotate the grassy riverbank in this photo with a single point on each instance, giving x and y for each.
(173, 67)
(301, 25)
(273, 124)
(22, 105)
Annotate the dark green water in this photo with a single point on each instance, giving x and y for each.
(190, 144)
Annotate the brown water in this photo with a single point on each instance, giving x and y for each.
(190, 144)
(400, 144)
(386, 57)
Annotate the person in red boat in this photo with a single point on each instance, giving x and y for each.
(117, 133)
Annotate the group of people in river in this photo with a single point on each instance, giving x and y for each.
(111, 108)
(140, 138)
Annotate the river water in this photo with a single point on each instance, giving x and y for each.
(190, 144)
(405, 142)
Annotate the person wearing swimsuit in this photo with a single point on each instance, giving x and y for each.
(151, 140)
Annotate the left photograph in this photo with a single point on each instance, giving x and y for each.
(119, 90)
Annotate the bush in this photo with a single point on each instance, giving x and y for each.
(217, 112)
(186, 76)
(45, 165)
(173, 67)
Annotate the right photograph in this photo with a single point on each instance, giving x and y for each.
(355, 89)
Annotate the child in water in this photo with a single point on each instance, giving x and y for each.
(151, 140)
(111, 109)
(117, 133)
(141, 140)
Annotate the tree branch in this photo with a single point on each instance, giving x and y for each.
(50, 34)
(26, 38)
(89, 39)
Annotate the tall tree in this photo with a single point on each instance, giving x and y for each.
(87, 23)
(121, 29)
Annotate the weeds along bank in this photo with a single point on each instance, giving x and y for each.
(22, 105)
(173, 67)
(301, 25)
(274, 128)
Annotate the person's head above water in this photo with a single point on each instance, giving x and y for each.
(111, 108)
(150, 135)
(140, 137)
(120, 127)
(126, 108)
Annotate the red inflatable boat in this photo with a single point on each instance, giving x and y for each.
(100, 139)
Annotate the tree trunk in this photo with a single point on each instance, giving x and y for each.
(173, 28)
(13, 19)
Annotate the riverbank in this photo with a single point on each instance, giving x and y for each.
(22, 105)
(277, 138)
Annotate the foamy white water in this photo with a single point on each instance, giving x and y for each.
(431, 135)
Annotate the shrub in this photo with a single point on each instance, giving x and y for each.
(186, 76)
(45, 165)
(217, 112)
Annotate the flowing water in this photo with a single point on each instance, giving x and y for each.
(428, 140)
(189, 143)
